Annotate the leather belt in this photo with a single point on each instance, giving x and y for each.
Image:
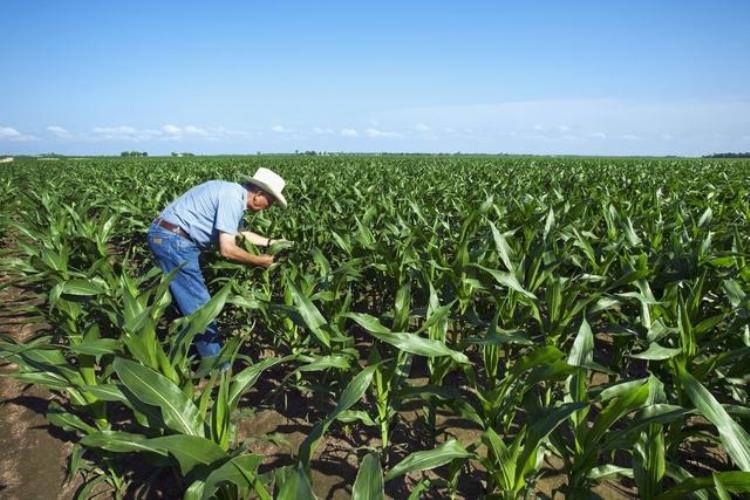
(172, 228)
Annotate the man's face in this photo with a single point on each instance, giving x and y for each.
(258, 200)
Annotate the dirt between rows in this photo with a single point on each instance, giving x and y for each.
(34, 454)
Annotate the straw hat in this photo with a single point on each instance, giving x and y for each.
(270, 182)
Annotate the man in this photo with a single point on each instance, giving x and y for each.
(210, 214)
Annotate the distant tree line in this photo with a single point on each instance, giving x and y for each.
(175, 153)
(134, 153)
(728, 155)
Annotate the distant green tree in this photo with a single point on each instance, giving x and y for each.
(728, 155)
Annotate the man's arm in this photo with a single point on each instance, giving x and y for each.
(229, 250)
(258, 240)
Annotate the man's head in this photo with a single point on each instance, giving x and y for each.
(257, 199)
(263, 189)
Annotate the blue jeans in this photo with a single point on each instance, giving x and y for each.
(188, 286)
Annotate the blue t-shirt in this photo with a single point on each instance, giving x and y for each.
(207, 209)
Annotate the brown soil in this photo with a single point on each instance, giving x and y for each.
(34, 455)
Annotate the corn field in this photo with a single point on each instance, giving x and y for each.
(587, 317)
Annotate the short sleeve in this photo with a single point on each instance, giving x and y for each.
(229, 211)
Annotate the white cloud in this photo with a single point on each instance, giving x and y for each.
(373, 132)
(192, 130)
(421, 127)
(630, 137)
(280, 129)
(179, 132)
(171, 129)
(59, 132)
(167, 132)
(349, 132)
(322, 131)
(11, 134)
(667, 137)
(563, 128)
(115, 132)
(598, 135)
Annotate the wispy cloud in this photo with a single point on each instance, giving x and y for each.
(11, 134)
(175, 131)
(322, 131)
(167, 132)
(375, 133)
(279, 129)
(349, 132)
(421, 127)
(59, 132)
(117, 132)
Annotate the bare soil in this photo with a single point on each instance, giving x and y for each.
(34, 455)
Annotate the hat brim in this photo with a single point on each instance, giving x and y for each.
(265, 187)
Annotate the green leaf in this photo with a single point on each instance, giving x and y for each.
(407, 342)
(352, 393)
(67, 421)
(545, 355)
(735, 439)
(502, 247)
(656, 352)
(120, 442)
(499, 337)
(150, 387)
(240, 471)
(734, 292)
(582, 352)
(325, 362)
(429, 459)
(608, 471)
(506, 279)
(350, 416)
(97, 347)
(543, 425)
(296, 486)
(247, 378)
(106, 392)
(313, 320)
(733, 482)
(84, 288)
(369, 482)
(197, 323)
(191, 452)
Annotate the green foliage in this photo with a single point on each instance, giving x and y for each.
(591, 309)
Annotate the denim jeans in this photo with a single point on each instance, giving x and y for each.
(188, 287)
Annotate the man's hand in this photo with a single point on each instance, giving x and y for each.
(265, 260)
(229, 250)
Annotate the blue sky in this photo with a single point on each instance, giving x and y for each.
(636, 77)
